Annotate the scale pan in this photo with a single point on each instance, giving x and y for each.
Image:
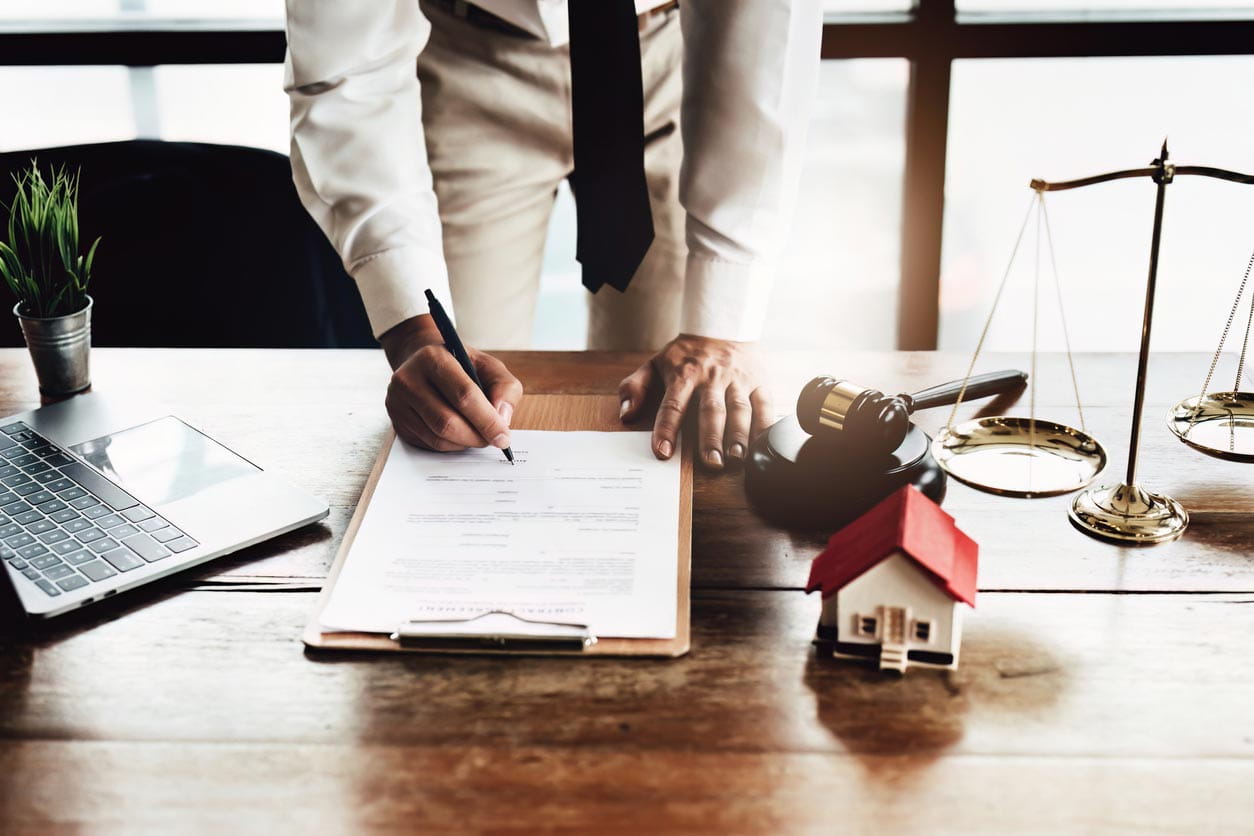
(1220, 424)
(1019, 456)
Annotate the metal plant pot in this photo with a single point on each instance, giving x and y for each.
(60, 348)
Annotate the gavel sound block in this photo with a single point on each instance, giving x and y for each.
(850, 446)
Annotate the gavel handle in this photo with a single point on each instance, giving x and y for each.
(979, 386)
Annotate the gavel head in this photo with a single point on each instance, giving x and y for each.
(845, 412)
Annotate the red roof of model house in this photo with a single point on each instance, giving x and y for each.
(907, 521)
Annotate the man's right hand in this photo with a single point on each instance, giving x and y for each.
(433, 403)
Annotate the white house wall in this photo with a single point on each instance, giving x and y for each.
(897, 581)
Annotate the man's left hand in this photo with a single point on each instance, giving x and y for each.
(725, 380)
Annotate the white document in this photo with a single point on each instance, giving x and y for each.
(582, 529)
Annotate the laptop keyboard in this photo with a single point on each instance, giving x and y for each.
(63, 526)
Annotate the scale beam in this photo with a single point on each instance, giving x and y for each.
(1167, 170)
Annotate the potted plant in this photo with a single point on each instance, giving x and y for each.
(41, 262)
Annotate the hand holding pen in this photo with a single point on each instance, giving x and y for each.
(440, 402)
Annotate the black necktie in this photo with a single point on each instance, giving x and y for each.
(615, 224)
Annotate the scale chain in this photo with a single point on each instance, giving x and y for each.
(1062, 314)
(989, 322)
(1036, 316)
(1214, 363)
(1037, 202)
(1245, 345)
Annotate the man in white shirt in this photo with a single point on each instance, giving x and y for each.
(445, 178)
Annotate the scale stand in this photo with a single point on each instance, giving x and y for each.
(1126, 512)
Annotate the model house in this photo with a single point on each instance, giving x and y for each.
(894, 582)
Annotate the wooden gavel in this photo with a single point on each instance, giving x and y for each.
(857, 415)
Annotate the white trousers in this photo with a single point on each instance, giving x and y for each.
(496, 113)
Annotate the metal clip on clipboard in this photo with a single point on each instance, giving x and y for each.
(494, 630)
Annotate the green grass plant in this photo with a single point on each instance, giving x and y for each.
(40, 260)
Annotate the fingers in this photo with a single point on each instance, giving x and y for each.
(410, 426)
(739, 424)
(711, 422)
(504, 390)
(717, 379)
(763, 411)
(670, 414)
(471, 407)
(433, 402)
(633, 392)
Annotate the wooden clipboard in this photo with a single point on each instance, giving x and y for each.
(536, 412)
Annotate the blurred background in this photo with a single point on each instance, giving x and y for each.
(1105, 100)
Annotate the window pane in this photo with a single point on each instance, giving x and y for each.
(209, 9)
(28, 10)
(239, 104)
(843, 253)
(1186, 7)
(93, 104)
(839, 7)
(140, 10)
(1060, 119)
(561, 319)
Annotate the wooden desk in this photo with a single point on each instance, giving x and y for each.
(1101, 688)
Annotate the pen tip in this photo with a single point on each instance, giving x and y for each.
(509, 454)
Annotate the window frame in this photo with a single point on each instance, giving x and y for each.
(926, 625)
(931, 35)
(860, 625)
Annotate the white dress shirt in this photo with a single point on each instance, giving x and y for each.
(360, 165)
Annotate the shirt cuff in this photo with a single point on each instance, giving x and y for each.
(392, 284)
(725, 301)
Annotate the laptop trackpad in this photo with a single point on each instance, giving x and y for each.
(163, 461)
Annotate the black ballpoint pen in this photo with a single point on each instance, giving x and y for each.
(454, 344)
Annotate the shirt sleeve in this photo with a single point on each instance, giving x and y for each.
(750, 69)
(358, 153)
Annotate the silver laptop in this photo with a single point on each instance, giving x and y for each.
(101, 495)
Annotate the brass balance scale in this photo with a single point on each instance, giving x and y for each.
(1030, 457)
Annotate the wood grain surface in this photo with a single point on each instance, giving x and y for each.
(1101, 689)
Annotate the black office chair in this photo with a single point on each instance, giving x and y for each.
(203, 246)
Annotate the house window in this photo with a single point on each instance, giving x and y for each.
(866, 625)
(923, 631)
